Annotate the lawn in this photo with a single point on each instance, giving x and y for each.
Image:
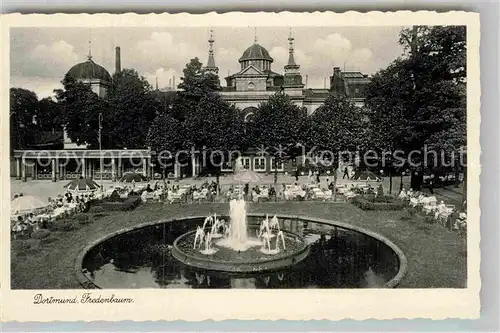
(437, 258)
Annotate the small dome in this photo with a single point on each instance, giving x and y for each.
(256, 52)
(89, 70)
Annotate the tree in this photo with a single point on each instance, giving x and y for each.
(81, 108)
(24, 109)
(387, 101)
(277, 128)
(419, 100)
(50, 115)
(202, 118)
(336, 127)
(131, 109)
(195, 84)
(216, 127)
(166, 135)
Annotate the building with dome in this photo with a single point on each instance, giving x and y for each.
(256, 81)
(93, 74)
(253, 84)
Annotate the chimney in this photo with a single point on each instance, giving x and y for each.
(306, 80)
(118, 62)
(173, 83)
(170, 83)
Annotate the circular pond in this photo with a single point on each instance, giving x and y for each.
(251, 260)
(335, 255)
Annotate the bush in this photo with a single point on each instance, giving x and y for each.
(114, 197)
(364, 204)
(112, 206)
(412, 211)
(40, 234)
(19, 245)
(131, 203)
(50, 239)
(380, 191)
(406, 217)
(100, 215)
(424, 228)
(64, 225)
(429, 219)
(96, 209)
(80, 217)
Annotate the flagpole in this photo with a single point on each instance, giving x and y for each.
(100, 147)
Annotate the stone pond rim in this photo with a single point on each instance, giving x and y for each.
(86, 283)
(273, 262)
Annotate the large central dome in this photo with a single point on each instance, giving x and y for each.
(89, 70)
(256, 52)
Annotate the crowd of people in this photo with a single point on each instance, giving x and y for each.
(171, 192)
(63, 205)
(440, 212)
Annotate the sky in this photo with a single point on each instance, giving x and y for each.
(39, 57)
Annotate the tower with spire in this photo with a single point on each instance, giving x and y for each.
(211, 68)
(292, 77)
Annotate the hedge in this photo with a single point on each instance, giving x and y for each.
(40, 234)
(112, 206)
(63, 225)
(365, 204)
(129, 204)
(96, 209)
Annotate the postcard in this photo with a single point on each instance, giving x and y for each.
(265, 166)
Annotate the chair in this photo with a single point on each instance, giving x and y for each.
(413, 202)
(430, 206)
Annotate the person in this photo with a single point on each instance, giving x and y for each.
(296, 174)
(317, 177)
(255, 196)
(148, 189)
(346, 173)
(272, 193)
(246, 190)
(431, 185)
(330, 186)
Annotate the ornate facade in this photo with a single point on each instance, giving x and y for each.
(256, 81)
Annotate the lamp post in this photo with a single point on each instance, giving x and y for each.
(100, 148)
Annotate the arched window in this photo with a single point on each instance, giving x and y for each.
(248, 113)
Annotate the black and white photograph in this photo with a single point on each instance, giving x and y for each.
(239, 157)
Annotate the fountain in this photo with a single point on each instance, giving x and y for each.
(230, 245)
(236, 237)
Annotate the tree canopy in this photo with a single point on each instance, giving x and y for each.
(336, 127)
(131, 109)
(24, 110)
(128, 109)
(278, 127)
(419, 99)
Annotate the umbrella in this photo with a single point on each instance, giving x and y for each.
(247, 176)
(132, 177)
(82, 185)
(26, 204)
(366, 175)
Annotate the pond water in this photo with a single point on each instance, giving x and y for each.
(338, 258)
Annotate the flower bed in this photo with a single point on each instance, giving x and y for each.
(377, 203)
(129, 204)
